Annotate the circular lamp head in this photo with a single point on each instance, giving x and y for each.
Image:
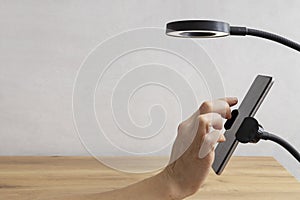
(198, 29)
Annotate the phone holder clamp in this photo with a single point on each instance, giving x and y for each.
(251, 131)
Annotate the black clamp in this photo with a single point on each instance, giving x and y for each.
(250, 131)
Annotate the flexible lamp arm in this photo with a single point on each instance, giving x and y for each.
(243, 31)
(269, 136)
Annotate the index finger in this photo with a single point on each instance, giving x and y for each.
(230, 100)
(221, 106)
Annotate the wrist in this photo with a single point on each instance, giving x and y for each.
(167, 185)
(162, 186)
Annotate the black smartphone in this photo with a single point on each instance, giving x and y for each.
(250, 104)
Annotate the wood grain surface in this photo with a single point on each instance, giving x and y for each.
(31, 178)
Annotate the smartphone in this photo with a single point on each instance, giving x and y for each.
(250, 104)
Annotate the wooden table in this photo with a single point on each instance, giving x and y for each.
(31, 178)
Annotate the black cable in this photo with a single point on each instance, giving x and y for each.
(243, 31)
(269, 136)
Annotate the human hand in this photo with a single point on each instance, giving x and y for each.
(187, 172)
(188, 169)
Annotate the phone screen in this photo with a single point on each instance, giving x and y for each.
(247, 108)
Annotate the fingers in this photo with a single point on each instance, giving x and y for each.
(208, 144)
(209, 133)
(221, 138)
(230, 100)
(207, 124)
(210, 120)
(221, 106)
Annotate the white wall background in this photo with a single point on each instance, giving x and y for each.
(42, 44)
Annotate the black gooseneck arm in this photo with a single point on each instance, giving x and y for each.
(269, 136)
(244, 31)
